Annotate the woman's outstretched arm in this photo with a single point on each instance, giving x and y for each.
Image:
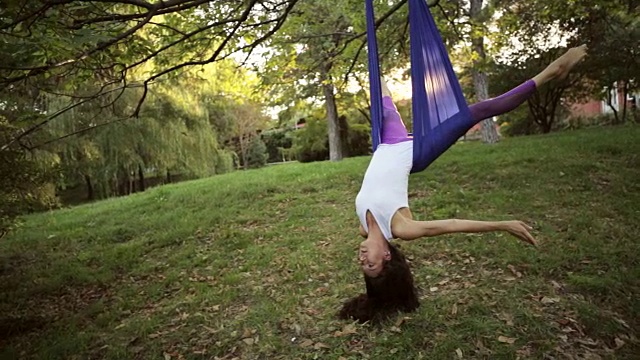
(410, 229)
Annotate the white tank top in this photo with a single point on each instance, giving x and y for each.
(385, 185)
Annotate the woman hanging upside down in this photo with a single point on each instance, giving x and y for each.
(382, 204)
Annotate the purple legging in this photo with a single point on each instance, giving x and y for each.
(394, 130)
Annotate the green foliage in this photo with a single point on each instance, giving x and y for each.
(25, 186)
(276, 141)
(173, 133)
(359, 142)
(310, 143)
(257, 153)
(610, 28)
(225, 161)
(518, 122)
(582, 122)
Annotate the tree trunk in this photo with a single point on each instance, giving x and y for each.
(122, 188)
(90, 194)
(168, 176)
(610, 103)
(480, 82)
(336, 145)
(344, 134)
(141, 177)
(625, 92)
(243, 152)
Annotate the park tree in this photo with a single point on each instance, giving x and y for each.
(318, 53)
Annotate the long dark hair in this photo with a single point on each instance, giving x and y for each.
(387, 294)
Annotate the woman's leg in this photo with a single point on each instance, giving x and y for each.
(393, 128)
(439, 138)
(512, 99)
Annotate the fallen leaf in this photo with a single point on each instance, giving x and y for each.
(433, 289)
(588, 342)
(592, 356)
(306, 343)
(320, 345)
(459, 352)
(619, 343)
(623, 323)
(549, 300)
(514, 271)
(454, 309)
(213, 331)
(396, 329)
(248, 341)
(508, 318)
(347, 330)
(167, 356)
(504, 339)
(480, 345)
(394, 350)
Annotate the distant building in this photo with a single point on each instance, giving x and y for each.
(595, 107)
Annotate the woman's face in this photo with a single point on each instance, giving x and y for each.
(372, 256)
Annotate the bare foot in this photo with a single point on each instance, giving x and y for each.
(563, 65)
(560, 68)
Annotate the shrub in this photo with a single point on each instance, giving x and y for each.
(311, 143)
(25, 186)
(257, 153)
(277, 140)
(359, 140)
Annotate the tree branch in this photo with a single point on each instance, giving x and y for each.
(165, 7)
(185, 37)
(267, 35)
(362, 45)
(77, 132)
(244, 16)
(58, 113)
(101, 46)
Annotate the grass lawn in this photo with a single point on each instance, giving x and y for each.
(255, 264)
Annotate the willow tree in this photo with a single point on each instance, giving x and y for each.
(172, 134)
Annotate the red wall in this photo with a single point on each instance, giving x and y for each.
(590, 108)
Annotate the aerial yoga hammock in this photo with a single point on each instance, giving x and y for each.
(440, 112)
(440, 117)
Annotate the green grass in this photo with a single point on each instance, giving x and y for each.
(254, 265)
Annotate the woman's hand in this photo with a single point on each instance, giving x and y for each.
(520, 230)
